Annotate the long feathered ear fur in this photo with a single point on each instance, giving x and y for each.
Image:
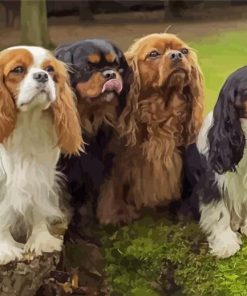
(226, 137)
(127, 120)
(195, 94)
(127, 77)
(66, 117)
(8, 111)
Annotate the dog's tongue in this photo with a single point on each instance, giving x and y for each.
(112, 85)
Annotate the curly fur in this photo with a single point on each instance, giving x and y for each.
(162, 117)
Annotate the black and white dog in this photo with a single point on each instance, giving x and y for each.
(222, 187)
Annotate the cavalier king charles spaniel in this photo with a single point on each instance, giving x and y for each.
(100, 77)
(221, 190)
(163, 115)
(38, 119)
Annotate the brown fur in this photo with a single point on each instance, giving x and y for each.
(94, 115)
(163, 115)
(110, 57)
(93, 109)
(9, 84)
(8, 111)
(94, 58)
(66, 118)
(91, 88)
(64, 109)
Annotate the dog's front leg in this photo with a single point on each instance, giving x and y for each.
(41, 240)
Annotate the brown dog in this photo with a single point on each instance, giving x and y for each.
(162, 117)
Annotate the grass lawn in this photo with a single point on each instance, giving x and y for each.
(219, 56)
(161, 257)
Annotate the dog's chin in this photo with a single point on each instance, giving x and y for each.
(106, 97)
(41, 101)
(176, 80)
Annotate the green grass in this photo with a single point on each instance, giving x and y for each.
(154, 257)
(219, 56)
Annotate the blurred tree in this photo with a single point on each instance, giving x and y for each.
(173, 8)
(34, 28)
(85, 11)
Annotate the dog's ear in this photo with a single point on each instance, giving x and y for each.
(194, 93)
(127, 76)
(8, 110)
(63, 54)
(127, 121)
(66, 117)
(226, 137)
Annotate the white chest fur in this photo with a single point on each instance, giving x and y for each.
(29, 158)
(233, 185)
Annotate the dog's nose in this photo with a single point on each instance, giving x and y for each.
(109, 74)
(175, 56)
(41, 77)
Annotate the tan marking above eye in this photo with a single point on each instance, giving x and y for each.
(94, 58)
(110, 57)
(50, 66)
(10, 59)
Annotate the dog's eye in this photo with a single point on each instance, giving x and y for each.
(153, 54)
(18, 70)
(49, 69)
(184, 51)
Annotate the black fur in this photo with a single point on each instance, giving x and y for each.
(85, 173)
(226, 142)
(226, 137)
(199, 183)
(75, 56)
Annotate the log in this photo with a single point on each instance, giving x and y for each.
(25, 277)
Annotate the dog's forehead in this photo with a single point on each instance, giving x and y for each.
(163, 42)
(38, 54)
(95, 47)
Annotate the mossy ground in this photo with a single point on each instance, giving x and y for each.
(160, 256)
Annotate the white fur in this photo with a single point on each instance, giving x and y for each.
(29, 182)
(39, 53)
(215, 221)
(223, 241)
(29, 87)
(202, 140)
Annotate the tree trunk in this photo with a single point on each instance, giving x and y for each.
(173, 8)
(34, 28)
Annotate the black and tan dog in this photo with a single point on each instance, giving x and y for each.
(100, 77)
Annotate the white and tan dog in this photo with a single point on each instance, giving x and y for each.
(38, 119)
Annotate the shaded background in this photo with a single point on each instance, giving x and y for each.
(124, 21)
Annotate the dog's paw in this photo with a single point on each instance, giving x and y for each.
(225, 245)
(10, 251)
(43, 242)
